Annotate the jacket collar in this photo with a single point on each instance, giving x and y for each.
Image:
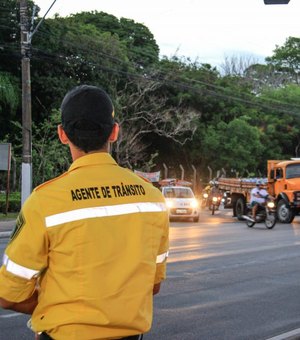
(98, 158)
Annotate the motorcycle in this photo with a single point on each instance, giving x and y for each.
(204, 200)
(215, 202)
(265, 213)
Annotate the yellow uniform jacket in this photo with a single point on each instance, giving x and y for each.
(95, 240)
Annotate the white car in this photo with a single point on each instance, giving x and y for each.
(181, 203)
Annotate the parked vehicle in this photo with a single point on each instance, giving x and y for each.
(265, 213)
(181, 202)
(282, 182)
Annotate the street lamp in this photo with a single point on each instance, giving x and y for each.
(276, 2)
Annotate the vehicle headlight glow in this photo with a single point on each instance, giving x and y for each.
(271, 205)
(205, 195)
(169, 203)
(194, 203)
(215, 199)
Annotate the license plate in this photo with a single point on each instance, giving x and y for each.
(181, 211)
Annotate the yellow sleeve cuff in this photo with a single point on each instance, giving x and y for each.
(14, 288)
(160, 274)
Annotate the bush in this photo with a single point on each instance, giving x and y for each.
(14, 202)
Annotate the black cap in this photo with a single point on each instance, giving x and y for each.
(89, 103)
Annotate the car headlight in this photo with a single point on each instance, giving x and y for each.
(271, 205)
(169, 203)
(194, 203)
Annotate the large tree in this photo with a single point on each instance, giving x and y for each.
(235, 145)
(142, 49)
(146, 114)
(286, 59)
(67, 53)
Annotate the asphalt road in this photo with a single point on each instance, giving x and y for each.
(225, 282)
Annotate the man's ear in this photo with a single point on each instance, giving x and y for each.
(62, 135)
(114, 134)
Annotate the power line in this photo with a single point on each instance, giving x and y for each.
(214, 90)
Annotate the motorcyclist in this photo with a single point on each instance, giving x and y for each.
(214, 191)
(205, 195)
(207, 189)
(258, 197)
(214, 187)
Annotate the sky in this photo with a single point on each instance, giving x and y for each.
(208, 31)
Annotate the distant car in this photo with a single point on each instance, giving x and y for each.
(181, 203)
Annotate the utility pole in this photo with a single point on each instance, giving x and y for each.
(26, 186)
(26, 36)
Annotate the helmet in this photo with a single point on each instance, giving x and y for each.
(259, 182)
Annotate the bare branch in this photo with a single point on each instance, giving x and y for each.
(146, 110)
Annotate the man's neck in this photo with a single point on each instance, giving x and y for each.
(77, 153)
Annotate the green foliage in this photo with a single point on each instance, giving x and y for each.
(71, 51)
(9, 36)
(232, 122)
(287, 56)
(14, 202)
(233, 145)
(9, 95)
(281, 123)
(140, 45)
(9, 101)
(50, 157)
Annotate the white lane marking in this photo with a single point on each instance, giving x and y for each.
(287, 335)
(11, 315)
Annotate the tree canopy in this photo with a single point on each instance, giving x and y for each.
(171, 110)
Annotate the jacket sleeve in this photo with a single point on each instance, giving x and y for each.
(26, 254)
(161, 260)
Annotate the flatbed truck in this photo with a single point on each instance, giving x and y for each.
(282, 182)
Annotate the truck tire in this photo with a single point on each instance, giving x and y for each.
(240, 208)
(284, 213)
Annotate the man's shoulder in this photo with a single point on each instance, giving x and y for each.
(49, 182)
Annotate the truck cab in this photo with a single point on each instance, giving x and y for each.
(284, 184)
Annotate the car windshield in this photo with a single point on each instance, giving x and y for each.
(178, 193)
(293, 171)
